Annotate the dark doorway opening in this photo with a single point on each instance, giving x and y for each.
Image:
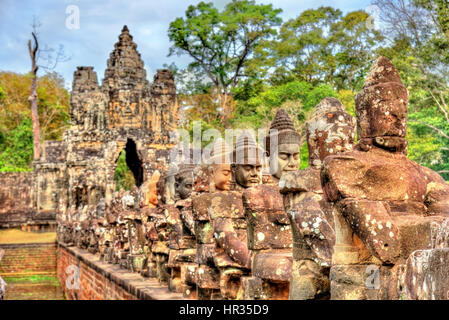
(133, 161)
(129, 171)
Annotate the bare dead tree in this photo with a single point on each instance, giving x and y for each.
(51, 62)
(33, 97)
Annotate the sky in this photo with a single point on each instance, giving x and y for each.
(100, 22)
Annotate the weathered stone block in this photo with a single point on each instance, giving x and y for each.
(268, 224)
(276, 267)
(201, 205)
(227, 204)
(207, 277)
(372, 221)
(204, 232)
(362, 282)
(188, 273)
(427, 275)
(252, 288)
(205, 253)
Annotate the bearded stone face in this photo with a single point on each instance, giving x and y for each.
(287, 159)
(247, 175)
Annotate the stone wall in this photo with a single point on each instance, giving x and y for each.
(102, 281)
(16, 197)
(28, 259)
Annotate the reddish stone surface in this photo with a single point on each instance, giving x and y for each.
(100, 281)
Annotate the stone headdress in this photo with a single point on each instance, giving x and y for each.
(247, 151)
(221, 153)
(184, 169)
(329, 131)
(286, 133)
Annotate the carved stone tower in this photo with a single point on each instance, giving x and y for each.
(125, 112)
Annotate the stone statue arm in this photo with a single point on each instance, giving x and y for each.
(371, 221)
(437, 193)
(312, 229)
(227, 239)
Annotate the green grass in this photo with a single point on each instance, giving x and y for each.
(33, 279)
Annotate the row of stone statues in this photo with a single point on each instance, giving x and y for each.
(227, 230)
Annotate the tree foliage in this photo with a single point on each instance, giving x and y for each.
(15, 115)
(123, 176)
(220, 43)
(323, 46)
(16, 147)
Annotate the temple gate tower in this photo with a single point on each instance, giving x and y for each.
(124, 112)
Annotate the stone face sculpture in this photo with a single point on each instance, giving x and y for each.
(269, 235)
(246, 162)
(230, 250)
(184, 181)
(157, 228)
(220, 167)
(181, 224)
(284, 150)
(329, 131)
(383, 200)
(218, 177)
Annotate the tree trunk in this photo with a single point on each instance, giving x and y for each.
(33, 100)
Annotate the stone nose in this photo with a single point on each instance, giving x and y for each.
(291, 161)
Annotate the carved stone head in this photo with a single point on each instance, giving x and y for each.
(286, 157)
(247, 164)
(381, 108)
(220, 170)
(329, 131)
(184, 181)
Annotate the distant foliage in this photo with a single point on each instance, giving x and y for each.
(16, 147)
(123, 176)
(16, 142)
(297, 97)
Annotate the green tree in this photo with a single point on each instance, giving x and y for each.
(298, 97)
(15, 114)
(16, 147)
(123, 176)
(324, 46)
(221, 43)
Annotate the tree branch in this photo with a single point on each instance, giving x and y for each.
(441, 132)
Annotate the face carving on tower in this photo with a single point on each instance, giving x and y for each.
(381, 109)
(288, 143)
(329, 131)
(247, 167)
